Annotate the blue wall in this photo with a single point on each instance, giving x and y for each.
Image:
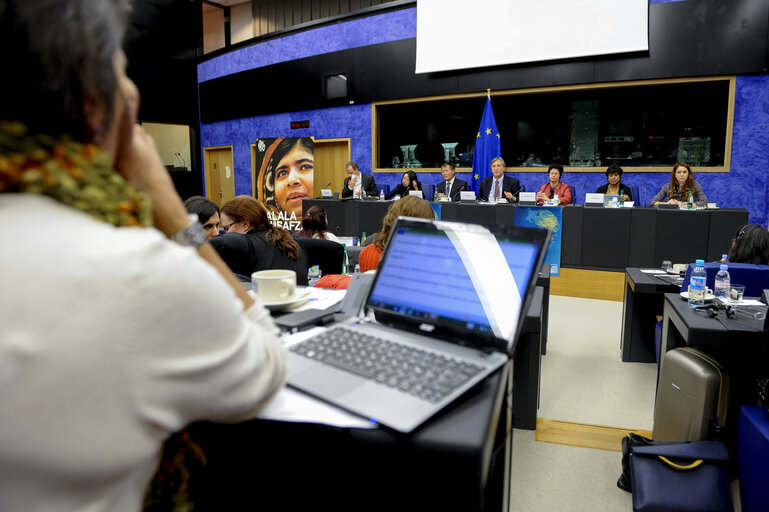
(746, 186)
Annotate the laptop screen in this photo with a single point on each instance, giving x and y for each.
(455, 280)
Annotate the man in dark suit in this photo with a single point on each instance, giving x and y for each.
(451, 186)
(498, 185)
(356, 183)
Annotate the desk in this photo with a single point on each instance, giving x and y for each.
(643, 300)
(598, 238)
(458, 460)
(733, 342)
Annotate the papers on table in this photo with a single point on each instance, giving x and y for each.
(320, 298)
(653, 271)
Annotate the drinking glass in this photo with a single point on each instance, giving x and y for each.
(735, 296)
(667, 265)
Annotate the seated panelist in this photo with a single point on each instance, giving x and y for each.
(498, 185)
(554, 187)
(676, 191)
(451, 186)
(356, 183)
(615, 187)
(408, 183)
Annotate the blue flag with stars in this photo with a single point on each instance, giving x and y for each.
(487, 146)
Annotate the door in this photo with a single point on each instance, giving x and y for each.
(220, 174)
(330, 157)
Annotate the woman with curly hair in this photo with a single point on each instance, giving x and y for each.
(286, 175)
(409, 206)
(250, 242)
(676, 191)
(120, 324)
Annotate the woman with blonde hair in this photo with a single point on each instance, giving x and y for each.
(250, 242)
(409, 206)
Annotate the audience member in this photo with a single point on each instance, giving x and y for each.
(315, 224)
(207, 212)
(615, 187)
(112, 338)
(408, 183)
(356, 183)
(451, 186)
(409, 206)
(677, 190)
(554, 187)
(750, 245)
(498, 185)
(250, 242)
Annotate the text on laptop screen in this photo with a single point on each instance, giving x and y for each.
(463, 276)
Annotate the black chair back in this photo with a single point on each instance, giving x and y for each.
(328, 255)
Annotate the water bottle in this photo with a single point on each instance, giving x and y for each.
(381, 195)
(697, 285)
(723, 285)
(621, 199)
(724, 258)
(346, 261)
(363, 239)
(555, 199)
(690, 201)
(613, 201)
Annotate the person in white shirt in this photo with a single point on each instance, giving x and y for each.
(114, 334)
(356, 183)
(451, 186)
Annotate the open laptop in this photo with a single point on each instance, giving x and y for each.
(444, 312)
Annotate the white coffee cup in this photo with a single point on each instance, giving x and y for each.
(274, 285)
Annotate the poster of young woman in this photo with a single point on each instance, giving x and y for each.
(284, 176)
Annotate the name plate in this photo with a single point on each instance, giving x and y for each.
(527, 198)
(417, 193)
(326, 192)
(596, 199)
(467, 195)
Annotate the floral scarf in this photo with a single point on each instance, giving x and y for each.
(74, 174)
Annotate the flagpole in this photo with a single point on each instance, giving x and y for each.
(488, 93)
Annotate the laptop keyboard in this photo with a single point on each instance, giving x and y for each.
(417, 372)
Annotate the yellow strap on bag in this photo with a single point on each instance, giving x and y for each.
(679, 466)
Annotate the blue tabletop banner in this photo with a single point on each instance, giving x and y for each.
(549, 217)
(437, 210)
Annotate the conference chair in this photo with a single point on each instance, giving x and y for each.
(753, 448)
(573, 194)
(754, 277)
(636, 196)
(328, 255)
(428, 191)
(385, 188)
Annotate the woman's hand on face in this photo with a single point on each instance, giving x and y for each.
(414, 185)
(138, 161)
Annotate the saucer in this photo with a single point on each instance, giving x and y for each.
(708, 297)
(299, 298)
(671, 271)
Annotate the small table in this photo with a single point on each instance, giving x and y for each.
(644, 295)
(734, 342)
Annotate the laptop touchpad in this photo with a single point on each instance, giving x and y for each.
(326, 382)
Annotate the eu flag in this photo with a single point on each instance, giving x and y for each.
(487, 146)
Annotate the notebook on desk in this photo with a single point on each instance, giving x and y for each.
(443, 313)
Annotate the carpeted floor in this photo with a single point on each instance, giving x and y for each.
(583, 381)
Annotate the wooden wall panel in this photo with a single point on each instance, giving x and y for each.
(272, 15)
